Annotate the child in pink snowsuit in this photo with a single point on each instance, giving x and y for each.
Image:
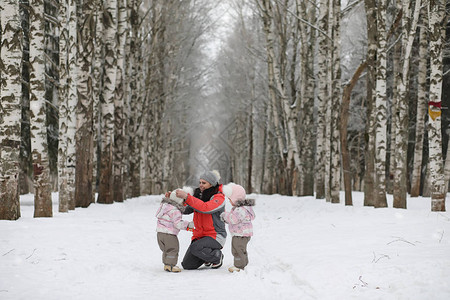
(239, 221)
(168, 226)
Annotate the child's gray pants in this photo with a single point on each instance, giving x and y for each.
(169, 245)
(239, 250)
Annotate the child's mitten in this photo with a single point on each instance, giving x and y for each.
(190, 226)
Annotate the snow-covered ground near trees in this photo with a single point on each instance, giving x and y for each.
(302, 249)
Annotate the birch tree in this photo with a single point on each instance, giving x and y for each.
(381, 109)
(135, 129)
(119, 161)
(84, 128)
(396, 74)
(64, 196)
(437, 13)
(369, 175)
(39, 146)
(322, 91)
(26, 174)
(409, 24)
(10, 109)
(51, 52)
(105, 194)
(335, 97)
(306, 10)
(67, 105)
(422, 89)
(98, 71)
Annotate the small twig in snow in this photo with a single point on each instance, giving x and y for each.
(399, 239)
(442, 236)
(59, 259)
(364, 284)
(8, 252)
(31, 254)
(375, 259)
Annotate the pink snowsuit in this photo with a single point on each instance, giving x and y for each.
(170, 219)
(239, 220)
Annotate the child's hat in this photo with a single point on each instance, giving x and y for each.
(237, 193)
(174, 197)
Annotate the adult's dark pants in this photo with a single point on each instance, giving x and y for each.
(203, 250)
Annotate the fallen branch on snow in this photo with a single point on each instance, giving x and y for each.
(399, 239)
(375, 259)
(31, 253)
(442, 236)
(362, 284)
(8, 252)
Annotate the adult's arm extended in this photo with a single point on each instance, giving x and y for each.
(209, 207)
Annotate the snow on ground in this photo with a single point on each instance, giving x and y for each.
(302, 249)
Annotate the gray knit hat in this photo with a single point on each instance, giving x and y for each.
(212, 177)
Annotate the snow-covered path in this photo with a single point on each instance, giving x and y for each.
(302, 249)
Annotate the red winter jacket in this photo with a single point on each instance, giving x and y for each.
(207, 220)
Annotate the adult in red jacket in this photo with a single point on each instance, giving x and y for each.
(209, 234)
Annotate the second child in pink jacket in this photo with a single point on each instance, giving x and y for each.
(239, 221)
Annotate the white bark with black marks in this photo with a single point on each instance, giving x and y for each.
(38, 117)
(10, 108)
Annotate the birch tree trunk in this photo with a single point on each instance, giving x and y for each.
(307, 36)
(10, 109)
(127, 103)
(335, 172)
(26, 169)
(63, 94)
(39, 147)
(135, 104)
(397, 49)
(409, 25)
(84, 129)
(51, 50)
(381, 109)
(105, 194)
(119, 107)
(322, 91)
(421, 106)
(369, 176)
(250, 152)
(72, 102)
(396, 70)
(98, 87)
(268, 144)
(67, 106)
(438, 193)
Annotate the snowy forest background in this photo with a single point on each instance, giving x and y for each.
(123, 98)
